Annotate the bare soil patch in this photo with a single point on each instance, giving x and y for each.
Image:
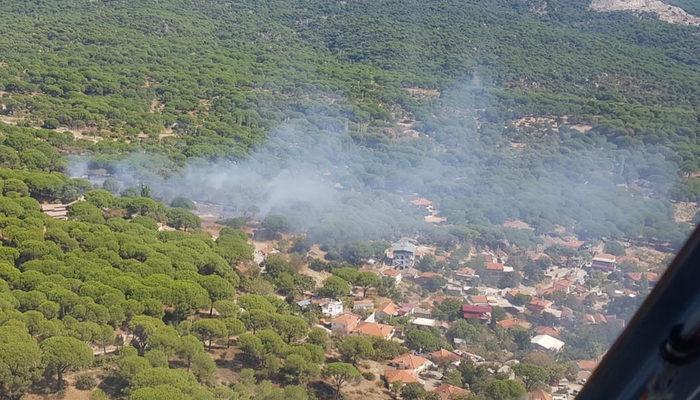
(664, 12)
(684, 211)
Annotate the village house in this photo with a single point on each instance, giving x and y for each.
(403, 254)
(638, 277)
(445, 357)
(493, 272)
(425, 277)
(586, 365)
(406, 309)
(453, 290)
(392, 273)
(559, 286)
(386, 310)
(330, 308)
(412, 362)
(511, 323)
(58, 210)
(538, 305)
(478, 300)
(604, 262)
(422, 312)
(547, 330)
(363, 306)
(465, 275)
(430, 323)
(449, 392)
(344, 324)
(375, 329)
(548, 343)
(403, 376)
(477, 312)
(595, 319)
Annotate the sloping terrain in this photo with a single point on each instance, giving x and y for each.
(665, 12)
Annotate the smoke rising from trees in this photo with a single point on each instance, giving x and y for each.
(342, 183)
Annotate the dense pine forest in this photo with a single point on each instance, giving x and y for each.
(540, 111)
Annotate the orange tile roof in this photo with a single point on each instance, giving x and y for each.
(478, 299)
(447, 392)
(374, 329)
(346, 319)
(388, 308)
(408, 361)
(512, 323)
(493, 266)
(587, 365)
(540, 303)
(444, 355)
(637, 276)
(400, 375)
(539, 394)
(466, 271)
(547, 330)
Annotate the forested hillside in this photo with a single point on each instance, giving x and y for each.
(323, 129)
(218, 72)
(212, 79)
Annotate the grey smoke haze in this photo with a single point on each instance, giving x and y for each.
(342, 185)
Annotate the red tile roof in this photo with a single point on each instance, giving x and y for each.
(587, 365)
(478, 299)
(473, 311)
(637, 276)
(444, 355)
(346, 319)
(374, 329)
(476, 308)
(388, 308)
(547, 330)
(400, 375)
(408, 361)
(391, 272)
(493, 266)
(447, 392)
(512, 323)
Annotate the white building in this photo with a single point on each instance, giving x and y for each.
(403, 254)
(548, 342)
(332, 308)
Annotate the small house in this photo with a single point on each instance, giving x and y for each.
(375, 329)
(412, 362)
(344, 324)
(445, 357)
(604, 262)
(465, 275)
(406, 309)
(331, 308)
(386, 310)
(362, 306)
(403, 254)
(393, 274)
(448, 392)
(401, 376)
(548, 343)
(477, 312)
